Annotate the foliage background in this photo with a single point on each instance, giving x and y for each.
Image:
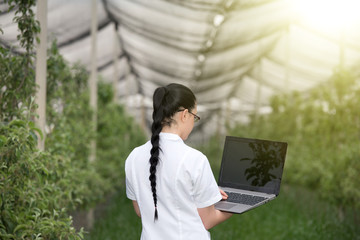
(38, 189)
(322, 128)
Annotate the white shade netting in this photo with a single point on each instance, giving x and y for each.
(233, 54)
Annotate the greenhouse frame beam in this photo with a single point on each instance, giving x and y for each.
(93, 77)
(41, 49)
(116, 54)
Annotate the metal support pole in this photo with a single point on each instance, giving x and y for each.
(116, 62)
(143, 113)
(41, 48)
(93, 95)
(93, 77)
(260, 83)
(287, 59)
(227, 115)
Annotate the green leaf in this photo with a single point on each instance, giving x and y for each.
(35, 129)
(7, 236)
(19, 227)
(17, 123)
(3, 140)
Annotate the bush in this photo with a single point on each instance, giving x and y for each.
(32, 198)
(39, 188)
(117, 135)
(322, 129)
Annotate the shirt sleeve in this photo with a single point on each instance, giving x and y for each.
(205, 189)
(130, 193)
(129, 190)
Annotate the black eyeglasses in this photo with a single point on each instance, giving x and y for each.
(196, 117)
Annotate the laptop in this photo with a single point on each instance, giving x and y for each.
(251, 172)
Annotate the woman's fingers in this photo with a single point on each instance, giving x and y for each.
(223, 194)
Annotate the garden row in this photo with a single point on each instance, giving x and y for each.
(38, 189)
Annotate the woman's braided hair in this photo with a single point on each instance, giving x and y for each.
(166, 102)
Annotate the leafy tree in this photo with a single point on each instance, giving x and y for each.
(39, 188)
(17, 75)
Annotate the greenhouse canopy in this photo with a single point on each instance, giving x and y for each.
(234, 54)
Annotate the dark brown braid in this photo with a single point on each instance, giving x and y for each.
(166, 102)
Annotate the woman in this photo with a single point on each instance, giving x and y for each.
(171, 184)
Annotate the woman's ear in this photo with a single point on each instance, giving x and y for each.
(184, 115)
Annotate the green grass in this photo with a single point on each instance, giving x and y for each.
(119, 221)
(296, 214)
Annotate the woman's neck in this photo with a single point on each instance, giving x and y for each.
(172, 129)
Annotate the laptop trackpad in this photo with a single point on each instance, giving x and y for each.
(225, 205)
(232, 207)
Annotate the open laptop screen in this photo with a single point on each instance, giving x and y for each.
(252, 164)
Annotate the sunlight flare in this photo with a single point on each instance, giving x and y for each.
(335, 15)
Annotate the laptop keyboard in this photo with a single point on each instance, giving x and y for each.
(244, 198)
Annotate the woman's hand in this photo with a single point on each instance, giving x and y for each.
(223, 194)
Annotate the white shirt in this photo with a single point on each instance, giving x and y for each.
(184, 182)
